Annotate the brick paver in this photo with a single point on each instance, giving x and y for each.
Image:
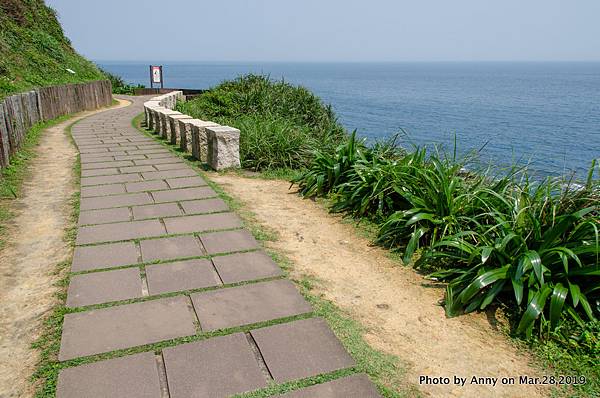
(243, 305)
(228, 241)
(204, 206)
(218, 367)
(103, 216)
(355, 386)
(104, 256)
(124, 326)
(102, 287)
(132, 376)
(135, 194)
(181, 275)
(300, 349)
(248, 266)
(170, 248)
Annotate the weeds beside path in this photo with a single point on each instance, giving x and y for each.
(399, 310)
(36, 248)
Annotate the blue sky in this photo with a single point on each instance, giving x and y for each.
(333, 30)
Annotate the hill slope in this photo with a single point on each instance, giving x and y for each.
(34, 50)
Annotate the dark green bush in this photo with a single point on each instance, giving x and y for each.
(281, 125)
(531, 245)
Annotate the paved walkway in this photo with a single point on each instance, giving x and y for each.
(162, 266)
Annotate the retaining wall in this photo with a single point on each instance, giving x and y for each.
(209, 142)
(19, 112)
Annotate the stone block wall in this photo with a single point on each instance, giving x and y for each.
(209, 142)
(19, 112)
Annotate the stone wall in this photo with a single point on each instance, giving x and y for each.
(209, 142)
(19, 112)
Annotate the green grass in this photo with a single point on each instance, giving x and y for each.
(386, 371)
(34, 51)
(529, 246)
(11, 177)
(281, 124)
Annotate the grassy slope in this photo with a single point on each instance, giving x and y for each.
(34, 50)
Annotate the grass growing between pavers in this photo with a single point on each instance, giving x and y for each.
(12, 177)
(386, 371)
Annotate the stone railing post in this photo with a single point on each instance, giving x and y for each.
(223, 147)
(219, 146)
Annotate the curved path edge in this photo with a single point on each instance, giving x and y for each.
(170, 295)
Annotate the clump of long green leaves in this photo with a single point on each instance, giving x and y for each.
(538, 248)
(531, 245)
(282, 125)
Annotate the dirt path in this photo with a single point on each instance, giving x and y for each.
(401, 314)
(35, 244)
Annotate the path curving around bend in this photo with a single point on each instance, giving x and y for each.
(170, 296)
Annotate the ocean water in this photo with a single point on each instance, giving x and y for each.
(543, 114)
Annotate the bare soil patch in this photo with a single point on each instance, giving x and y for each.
(35, 245)
(398, 307)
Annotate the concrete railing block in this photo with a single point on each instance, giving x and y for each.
(223, 147)
(219, 146)
(164, 126)
(174, 127)
(199, 141)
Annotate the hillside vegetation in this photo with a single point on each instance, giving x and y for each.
(34, 50)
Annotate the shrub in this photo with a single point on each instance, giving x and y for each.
(533, 245)
(118, 84)
(281, 125)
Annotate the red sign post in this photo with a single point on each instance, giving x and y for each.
(156, 75)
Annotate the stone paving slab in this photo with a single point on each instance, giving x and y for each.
(165, 160)
(150, 152)
(155, 154)
(155, 211)
(248, 266)
(99, 172)
(161, 175)
(119, 231)
(97, 158)
(228, 241)
(217, 367)
(201, 223)
(130, 157)
(101, 180)
(103, 287)
(124, 326)
(183, 194)
(136, 169)
(86, 258)
(132, 376)
(146, 186)
(104, 216)
(300, 349)
(105, 165)
(244, 305)
(181, 275)
(170, 248)
(102, 190)
(186, 182)
(171, 166)
(104, 202)
(355, 386)
(204, 206)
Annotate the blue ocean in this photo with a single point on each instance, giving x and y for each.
(546, 114)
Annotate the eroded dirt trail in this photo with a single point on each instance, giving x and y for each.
(397, 306)
(35, 245)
